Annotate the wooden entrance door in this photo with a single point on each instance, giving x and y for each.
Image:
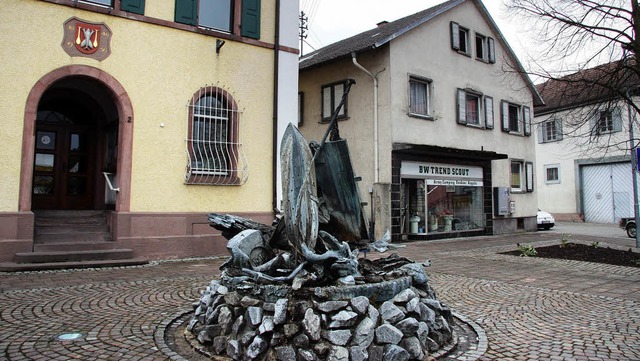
(64, 166)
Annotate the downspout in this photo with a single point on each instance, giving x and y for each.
(276, 61)
(376, 164)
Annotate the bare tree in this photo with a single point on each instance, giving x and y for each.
(588, 57)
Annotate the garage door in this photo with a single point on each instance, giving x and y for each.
(607, 192)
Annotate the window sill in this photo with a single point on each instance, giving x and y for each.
(327, 121)
(421, 116)
(201, 178)
(468, 55)
(477, 126)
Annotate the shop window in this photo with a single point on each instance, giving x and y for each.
(437, 208)
(214, 143)
(331, 97)
(419, 94)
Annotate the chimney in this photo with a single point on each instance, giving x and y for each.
(382, 23)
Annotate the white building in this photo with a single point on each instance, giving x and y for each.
(435, 123)
(584, 169)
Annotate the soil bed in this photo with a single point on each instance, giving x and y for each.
(588, 253)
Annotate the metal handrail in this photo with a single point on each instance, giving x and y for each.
(106, 177)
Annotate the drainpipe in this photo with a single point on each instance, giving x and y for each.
(275, 156)
(376, 167)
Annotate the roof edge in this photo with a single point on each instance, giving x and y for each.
(417, 23)
(537, 98)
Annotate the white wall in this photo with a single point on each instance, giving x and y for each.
(576, 145)
(287, 79)
(426, 52)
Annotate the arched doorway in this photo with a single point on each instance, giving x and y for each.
(76, 140)
(78, 124)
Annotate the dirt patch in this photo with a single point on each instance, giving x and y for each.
(588, 253)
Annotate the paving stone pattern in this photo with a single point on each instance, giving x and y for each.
(531, 309)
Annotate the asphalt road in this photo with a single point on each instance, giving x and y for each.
(607, 230)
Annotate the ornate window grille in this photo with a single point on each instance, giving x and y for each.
(214, 140)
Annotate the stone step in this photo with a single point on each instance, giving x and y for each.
(73, 256)
(72, 237)
(58, 229)
(73, 246)
(69, 221)
(68, 214)
(21, 267)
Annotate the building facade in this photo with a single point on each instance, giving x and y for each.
(155, 112)
(584, 169)
(439, 132)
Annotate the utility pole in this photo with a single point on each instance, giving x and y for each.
(632, 147)
(303, 29)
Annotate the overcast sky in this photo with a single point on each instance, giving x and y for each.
(333, 20)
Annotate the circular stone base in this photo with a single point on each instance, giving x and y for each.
(469, 342)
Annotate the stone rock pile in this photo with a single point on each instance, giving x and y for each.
(403, 322)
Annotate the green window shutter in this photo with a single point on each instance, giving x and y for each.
(250, 20)
(132, 6)
(186, 12)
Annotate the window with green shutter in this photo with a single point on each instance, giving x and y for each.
(132, 6)
(250, 20)
(186, 11)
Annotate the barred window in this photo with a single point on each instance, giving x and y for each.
(214, 141)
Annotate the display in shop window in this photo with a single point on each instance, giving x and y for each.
(430, 208)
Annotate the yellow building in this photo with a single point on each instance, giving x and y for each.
(146, 115)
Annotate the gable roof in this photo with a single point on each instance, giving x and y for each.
(601, 83)
(381, 35)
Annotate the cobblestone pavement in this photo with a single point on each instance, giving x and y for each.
(529, 308)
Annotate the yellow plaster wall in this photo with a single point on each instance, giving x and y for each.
(160, 68)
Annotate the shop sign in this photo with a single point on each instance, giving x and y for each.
(439, 170)
(455, 182)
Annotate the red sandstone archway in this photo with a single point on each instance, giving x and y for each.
(125, 126)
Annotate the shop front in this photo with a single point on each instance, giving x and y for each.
(441, 199)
